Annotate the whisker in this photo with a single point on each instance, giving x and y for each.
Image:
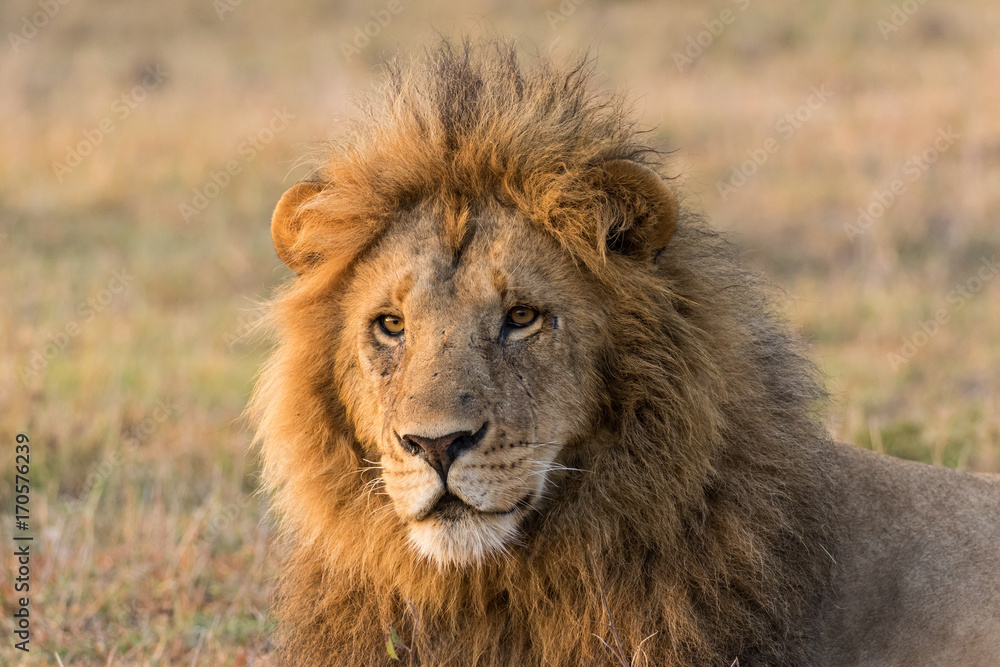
(370, 489)
(383, 511)
(549, 466)
(373, 484)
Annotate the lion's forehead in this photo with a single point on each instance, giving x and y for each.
(499, 259)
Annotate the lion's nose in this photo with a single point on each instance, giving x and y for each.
(442, 451)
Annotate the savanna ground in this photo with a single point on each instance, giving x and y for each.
(150, 547)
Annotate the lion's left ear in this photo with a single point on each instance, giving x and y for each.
(287, 225)
(642, 211)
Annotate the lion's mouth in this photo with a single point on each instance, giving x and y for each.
(451, 507)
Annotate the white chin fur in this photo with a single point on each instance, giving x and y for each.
(465, 541)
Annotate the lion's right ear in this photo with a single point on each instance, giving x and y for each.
(642, 211)
(287, 226)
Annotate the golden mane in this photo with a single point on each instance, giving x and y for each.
(700, 528)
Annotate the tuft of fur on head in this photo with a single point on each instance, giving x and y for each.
(701, 501)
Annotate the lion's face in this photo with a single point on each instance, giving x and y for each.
(468, 371)
(470, 349)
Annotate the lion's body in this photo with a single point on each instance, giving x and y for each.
(646, 451)
(917, 580)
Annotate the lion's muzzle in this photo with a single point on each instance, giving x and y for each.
(440, 452)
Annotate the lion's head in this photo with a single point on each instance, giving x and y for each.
(469, 351)
(512, 374)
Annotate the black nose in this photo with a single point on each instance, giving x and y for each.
(442, 451)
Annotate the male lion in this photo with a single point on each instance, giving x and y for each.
(525, 411)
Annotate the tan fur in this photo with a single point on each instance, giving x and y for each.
(649, 452)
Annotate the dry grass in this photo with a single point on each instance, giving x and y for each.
(150, 548)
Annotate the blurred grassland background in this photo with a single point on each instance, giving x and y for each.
(150, 547)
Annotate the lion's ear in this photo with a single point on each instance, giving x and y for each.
(287, 225)
(643, 210)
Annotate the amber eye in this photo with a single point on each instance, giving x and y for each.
(521, 316)
(391, 324)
